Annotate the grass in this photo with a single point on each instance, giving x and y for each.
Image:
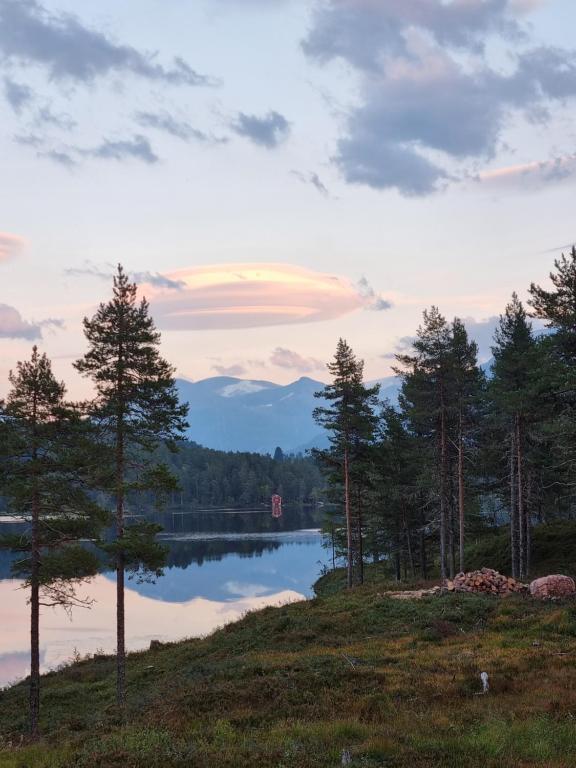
(394, 682)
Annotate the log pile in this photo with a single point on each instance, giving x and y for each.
(485, 581)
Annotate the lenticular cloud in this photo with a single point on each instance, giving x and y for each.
(232, 296)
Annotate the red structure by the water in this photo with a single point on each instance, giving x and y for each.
(276, 505)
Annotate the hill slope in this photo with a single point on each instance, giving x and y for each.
(394, 682)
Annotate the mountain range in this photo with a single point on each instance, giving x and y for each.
(231, 414)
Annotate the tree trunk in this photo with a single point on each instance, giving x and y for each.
(360, 548)
(120, 612)
(443, 515)
(348, 520)
(514, 528)
(409, 547)
(423, 560)
(460, 493)
(520, 499)
(34, 694)
(35, 619)
(451, 532)
(397, 559)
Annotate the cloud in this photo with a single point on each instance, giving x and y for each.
(230, 370)
(134, 148)
(17, 95)
(30, 34)
(429, 106)
(234, 296)
(13, 326)
(45, 116)
(530, 176)
(180, 129)
(373, 301)
(403, 346)
(58, 156)
(364, 32)
(286, 358)
(482, 332)
(268, 131)
(137, 148)
(10, 246)
(314, 180)
(149, 278)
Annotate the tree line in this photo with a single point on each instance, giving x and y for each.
(463, 447)
(210, 478)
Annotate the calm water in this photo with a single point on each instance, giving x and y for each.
(212, 578)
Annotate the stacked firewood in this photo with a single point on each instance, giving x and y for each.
(487, 581)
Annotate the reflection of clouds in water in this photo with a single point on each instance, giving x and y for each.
(245, 590)
(94, 630)
(13, 666)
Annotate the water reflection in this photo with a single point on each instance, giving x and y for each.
(210, 580)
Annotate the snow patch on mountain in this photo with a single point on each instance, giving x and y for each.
(241, 388)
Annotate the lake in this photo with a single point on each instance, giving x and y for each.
(212, 577)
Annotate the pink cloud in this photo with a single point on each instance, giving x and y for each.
(287, 358)
(529, 176)
(10, 245)
(228, 296)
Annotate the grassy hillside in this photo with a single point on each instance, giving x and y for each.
(395, 682)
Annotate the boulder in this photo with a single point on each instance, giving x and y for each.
(553, 586)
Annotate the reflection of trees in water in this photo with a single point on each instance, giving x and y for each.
(6, 560)
(182, 553)
(253, 521)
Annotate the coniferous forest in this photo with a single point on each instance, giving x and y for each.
(467, 448)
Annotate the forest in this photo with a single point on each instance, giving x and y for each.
(209, 478)
(465, 449)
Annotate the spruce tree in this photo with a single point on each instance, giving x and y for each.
(350, 420)
(136, 408)
(45, 448)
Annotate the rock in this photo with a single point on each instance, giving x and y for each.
(553, 586)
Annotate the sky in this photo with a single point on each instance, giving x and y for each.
(276, 174)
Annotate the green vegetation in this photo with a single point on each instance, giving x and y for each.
(462, 450)
(209, 478)
(395, 682)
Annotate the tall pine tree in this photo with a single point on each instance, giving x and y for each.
(557, 307)
(512, 394)
(425, 399)
(136, 408)
(350, 420)
(466, 384)
(45, 448)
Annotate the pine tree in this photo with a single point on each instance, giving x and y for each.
(512, 393)
(558, 375)
(466, 384)
(394, 517)
(136, 408)
(425, 400)
(45, 447)
(351, 420)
